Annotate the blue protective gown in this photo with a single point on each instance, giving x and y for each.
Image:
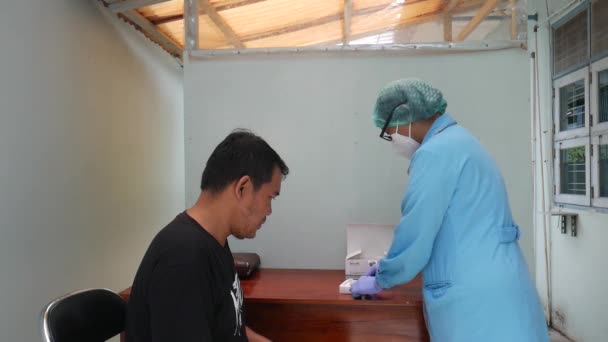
(456, 227)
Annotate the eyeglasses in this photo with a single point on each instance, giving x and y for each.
(383, 133)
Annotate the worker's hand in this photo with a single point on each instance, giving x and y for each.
(366, 285)
(372, 270)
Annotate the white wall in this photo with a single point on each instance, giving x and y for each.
(91, 154)
(315, 110)
(577, 264)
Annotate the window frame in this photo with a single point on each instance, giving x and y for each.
(584, 200)
(602, 55)
(597, 127)
(599, 133)
(581, 74)
(593, 132)
(596, 200)
(584, 6)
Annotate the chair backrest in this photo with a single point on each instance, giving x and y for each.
(93, 315)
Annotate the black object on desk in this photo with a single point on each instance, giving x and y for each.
(246, 264)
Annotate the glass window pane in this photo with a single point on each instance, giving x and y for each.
(603, 170)
(603, 96)
(570, 44)
(572, 106)
(599, 28)
(572, 171)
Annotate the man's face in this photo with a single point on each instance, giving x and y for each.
(256, 205)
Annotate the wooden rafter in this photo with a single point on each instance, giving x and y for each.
(313, 23)
(228, 32)
(218, 8)
(447, 27)
(447, 20)
(451, 5)
(239, 41)
(429, 17)
(487, 7)
(129, 5)
(222, 6)
(152, 32)
(348, 9)
(361, 12)
(236, 4)
(513, 20)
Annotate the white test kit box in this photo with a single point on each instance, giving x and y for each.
(366, 244)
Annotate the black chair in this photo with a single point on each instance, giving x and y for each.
(93, 315)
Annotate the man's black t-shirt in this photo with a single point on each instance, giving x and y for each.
(186, 289)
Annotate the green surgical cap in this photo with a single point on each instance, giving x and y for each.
(411, 100)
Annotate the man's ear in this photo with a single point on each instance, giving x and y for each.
(241, 186)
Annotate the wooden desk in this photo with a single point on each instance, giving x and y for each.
(304, 305)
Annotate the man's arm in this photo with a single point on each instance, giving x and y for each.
(252, 336)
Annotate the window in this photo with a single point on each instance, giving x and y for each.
(572, 181)
(599, 28)
(602, 97)
(603, 170)
(599, 133)
(573, 171)
(570, 43)
(572, 106)
(600, 161)
(599, 96)
(580, 91)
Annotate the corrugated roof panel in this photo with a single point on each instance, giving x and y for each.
(210, 37)
(273, 16)
(393, 17)
(164, 9)
(311, 36)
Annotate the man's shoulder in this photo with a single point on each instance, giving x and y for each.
(455, 143)
(447, 151)
(181, 242)
(182, 229)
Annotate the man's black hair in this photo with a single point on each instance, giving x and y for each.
(241, 153)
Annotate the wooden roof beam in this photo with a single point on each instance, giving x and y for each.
(228, 32)
(152, 32)
(513, 20)
(451, 5)
(447, 20)
(447, 27)
(129, 5)
(313, 23)
(487, 7)
(346, 30)
(364, 11)
(218, 8)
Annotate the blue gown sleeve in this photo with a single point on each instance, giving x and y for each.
(432, 183)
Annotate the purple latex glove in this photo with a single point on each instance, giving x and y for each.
(372, 270)
(366, 285)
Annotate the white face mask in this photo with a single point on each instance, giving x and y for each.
(404, 146)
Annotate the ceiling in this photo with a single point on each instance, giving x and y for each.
(245, 24)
